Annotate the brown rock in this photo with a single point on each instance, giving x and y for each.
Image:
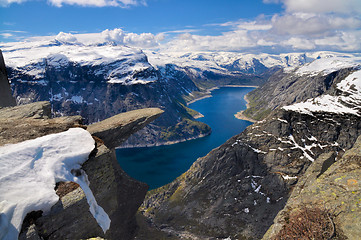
(115, 130)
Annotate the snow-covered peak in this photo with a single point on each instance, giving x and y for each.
(348, 101)
(118, 64)
(29, 171)
(233, 62)
(328, 65)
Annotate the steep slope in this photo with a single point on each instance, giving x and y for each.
(334, 188)
(238, 188)
(291, 86)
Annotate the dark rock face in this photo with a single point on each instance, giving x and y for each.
(283, 89)
(6, 99)
(84, 90)
(238, 188)
(118, 194)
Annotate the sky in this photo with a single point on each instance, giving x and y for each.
(271, 26)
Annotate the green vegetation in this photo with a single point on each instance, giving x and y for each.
(256, 107)
(185, 129)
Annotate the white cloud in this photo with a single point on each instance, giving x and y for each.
(287, 32)
(143, 40)
(312, 24)
(320, 6)
(299, 43)
(6, 35)
(66, 38)
(84, 3)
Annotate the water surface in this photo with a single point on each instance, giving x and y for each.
(158, 166)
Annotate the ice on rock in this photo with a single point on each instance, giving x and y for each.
(29, 171)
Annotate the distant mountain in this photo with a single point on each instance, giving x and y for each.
(237, 189)
(100, 79)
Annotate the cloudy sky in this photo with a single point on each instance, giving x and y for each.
(271, 26)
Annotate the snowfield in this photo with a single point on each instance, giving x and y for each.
(328, 65)
(29, 171)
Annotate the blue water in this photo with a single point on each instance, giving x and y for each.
(158, 166)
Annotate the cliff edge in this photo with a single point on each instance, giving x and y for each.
(117, 193)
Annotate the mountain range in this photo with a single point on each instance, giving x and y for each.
(301, 155)
(100, 79)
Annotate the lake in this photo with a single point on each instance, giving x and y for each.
(160, 165)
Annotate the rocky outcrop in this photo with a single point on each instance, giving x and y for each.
(113, 135)
(118, 194)
(6, 99)
(331, 186)
(30, 121)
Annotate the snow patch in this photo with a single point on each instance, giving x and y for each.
(327, 65)
(29, 171)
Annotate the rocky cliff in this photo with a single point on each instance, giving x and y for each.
(118, 194)
(6, 99)
(238, 188)
(328, 195)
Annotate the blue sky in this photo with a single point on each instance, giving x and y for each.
(42, 18)
(208, 25)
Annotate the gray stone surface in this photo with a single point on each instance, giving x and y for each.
(37, 110)
(115, 130)
(336, 189)
(30, 121)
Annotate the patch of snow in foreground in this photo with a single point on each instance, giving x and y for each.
(29, 171)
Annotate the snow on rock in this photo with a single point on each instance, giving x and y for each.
(29, 171)
(328, 65)
(347, 102)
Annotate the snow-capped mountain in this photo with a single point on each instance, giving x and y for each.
(100, 78)
(116, 64)
(233, 63)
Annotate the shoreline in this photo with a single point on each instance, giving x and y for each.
(165, 143)
(241, 116)
(208, 93)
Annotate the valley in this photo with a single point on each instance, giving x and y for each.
(233, 183)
